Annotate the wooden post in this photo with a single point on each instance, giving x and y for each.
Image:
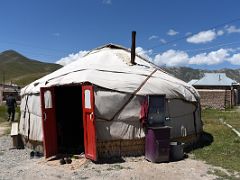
(133, 48)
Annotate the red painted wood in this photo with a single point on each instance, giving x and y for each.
(49, 125)
(89, 124)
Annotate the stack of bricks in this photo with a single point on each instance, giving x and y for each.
(218, 99)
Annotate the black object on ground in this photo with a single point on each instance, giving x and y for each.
(38, 154)
(176, 151)
(32, 154)
(62, 161)
(35, 154)
(68, 160)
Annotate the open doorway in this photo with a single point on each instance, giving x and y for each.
(69, 119)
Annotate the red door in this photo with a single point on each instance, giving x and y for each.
(49, 121)
(89, 122)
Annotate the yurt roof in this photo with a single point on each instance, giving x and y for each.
(109, 67)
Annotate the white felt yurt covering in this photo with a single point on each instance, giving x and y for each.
(108, 68)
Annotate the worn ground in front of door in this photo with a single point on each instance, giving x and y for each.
(16, 164)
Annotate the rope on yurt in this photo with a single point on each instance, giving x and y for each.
(194, 120)
(27, 108)
(24, 115)
(133, 94)
(28, 125)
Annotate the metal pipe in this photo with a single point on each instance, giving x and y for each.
(133, 48)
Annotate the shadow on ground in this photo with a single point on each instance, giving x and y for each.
(205, 139)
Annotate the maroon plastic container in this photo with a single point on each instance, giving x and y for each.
(157, 144)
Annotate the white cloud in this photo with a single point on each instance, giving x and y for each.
(107, 2)
(172, 58)
(177, 57)
(202, 37)
(71, 58)
(163, 41)
(235, 59)
(232, 50)
(212, 58)
(181, 58)
(144, 53)
(172, 32)
(232, 29)
(220, 32)
(153, 37)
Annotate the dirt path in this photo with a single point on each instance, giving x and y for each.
(16, 164)
(3, 128)
(131, 168)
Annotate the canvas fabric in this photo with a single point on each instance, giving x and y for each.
(109, 68)
(115, 81)
(111, 125)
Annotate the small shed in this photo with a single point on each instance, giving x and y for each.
(7, 89)
(217, 90)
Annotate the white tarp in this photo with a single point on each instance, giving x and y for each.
(115, 80)
(109, 68)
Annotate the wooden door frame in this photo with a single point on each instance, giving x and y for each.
(49, 150)
(89, 111)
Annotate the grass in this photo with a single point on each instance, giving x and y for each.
(4, 116)
(3, 113)
(224, 151)
(7, 131)
(231, 116)
(222, 175)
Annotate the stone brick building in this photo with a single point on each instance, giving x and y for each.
(6, 89)
(217, 90)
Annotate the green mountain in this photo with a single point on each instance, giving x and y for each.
(186, 74)
(21, 70)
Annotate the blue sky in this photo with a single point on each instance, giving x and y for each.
(53, 30)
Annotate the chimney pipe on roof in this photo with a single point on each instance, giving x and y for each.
(133, 48)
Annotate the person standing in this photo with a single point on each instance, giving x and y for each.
(11, 105)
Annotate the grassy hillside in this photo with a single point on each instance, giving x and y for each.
(21, 70)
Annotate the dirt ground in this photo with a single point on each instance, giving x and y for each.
(3, 127)
(17, 164)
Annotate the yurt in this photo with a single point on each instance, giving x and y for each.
(99, 105)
